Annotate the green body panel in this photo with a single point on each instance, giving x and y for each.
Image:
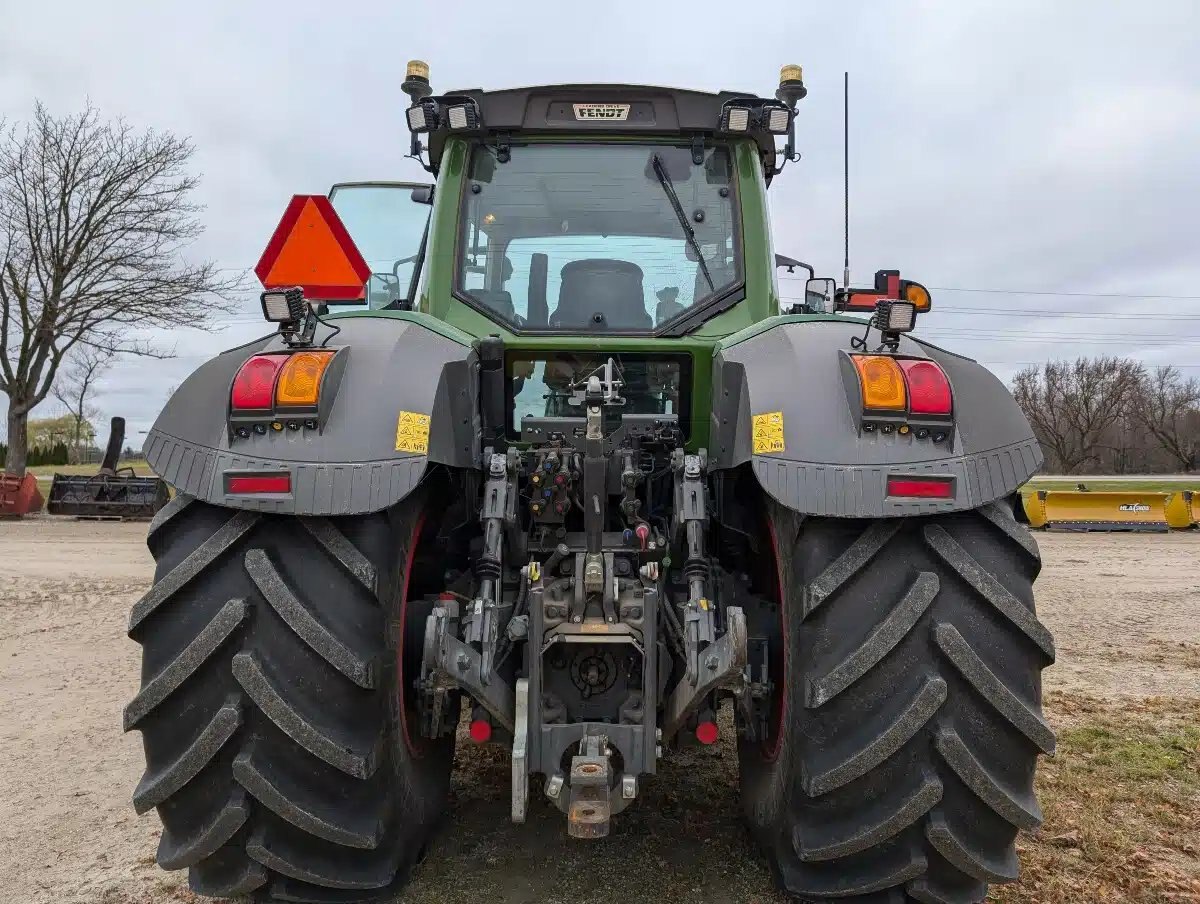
(438, 309)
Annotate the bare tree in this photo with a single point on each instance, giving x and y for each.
(76, 382)
(94, 218)
(1168, 407)
(1073, 406)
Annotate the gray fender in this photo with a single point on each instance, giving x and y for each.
(827, 466)
(393, 364)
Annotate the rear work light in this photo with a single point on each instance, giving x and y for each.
(921, 488)
(881, 381)
(423, 117)
(462, 116)
(777, 119)
(735, 119)
(254, 386)
(300, 381)
(928, 388)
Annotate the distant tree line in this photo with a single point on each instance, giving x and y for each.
(55, 454)
(1112, 415)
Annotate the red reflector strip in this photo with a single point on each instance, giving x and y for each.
(921, 489)
(259, 483)
(481, 731)
(707, 733)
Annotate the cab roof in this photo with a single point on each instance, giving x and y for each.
(605, 109)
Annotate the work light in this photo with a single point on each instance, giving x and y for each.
(895, 316)
(423, 117)
(283, 306)
(735, 119)
(777, 119)
(462, 116)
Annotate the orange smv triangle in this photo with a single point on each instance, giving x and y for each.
(311, 249)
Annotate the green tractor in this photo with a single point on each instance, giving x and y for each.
(574, 480)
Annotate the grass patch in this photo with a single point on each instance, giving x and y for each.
(1106, 750)
(1122, 807)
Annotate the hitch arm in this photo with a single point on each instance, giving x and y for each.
(723, 664)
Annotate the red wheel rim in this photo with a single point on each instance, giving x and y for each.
(774, 740)
(402, 690)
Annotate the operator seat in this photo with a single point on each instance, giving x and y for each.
(499, 300)
(601, 294)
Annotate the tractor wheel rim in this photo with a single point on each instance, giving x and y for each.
(774, 740)
(402, 688)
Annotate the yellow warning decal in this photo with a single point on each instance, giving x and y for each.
(412, 432)
(768, 432)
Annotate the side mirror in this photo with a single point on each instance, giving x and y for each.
(819, 295)
(423, 194)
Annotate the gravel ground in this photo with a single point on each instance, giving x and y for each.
(1125, 610)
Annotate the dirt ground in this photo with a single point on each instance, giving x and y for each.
(1125, 610)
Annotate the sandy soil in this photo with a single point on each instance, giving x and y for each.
(1125, 610)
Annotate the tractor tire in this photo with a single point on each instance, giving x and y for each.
(276, 705)
(900, 760)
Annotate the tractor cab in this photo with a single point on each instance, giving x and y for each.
(578, 209)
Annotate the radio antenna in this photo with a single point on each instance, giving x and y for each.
(846, 171)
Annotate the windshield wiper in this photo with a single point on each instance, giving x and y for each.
(688, 232)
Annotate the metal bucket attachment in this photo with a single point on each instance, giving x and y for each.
(107, 496)
(19, 495)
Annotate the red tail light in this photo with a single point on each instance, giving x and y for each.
(933, 488)
(928, 388)
(254, 385)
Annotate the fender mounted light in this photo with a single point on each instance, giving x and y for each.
(881, 382)
(300, 380)
(928, 388)
(254, 386)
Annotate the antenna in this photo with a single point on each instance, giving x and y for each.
(846, 170)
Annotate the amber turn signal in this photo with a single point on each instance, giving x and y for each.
(300, 380)
(881, 381)
(918, 295)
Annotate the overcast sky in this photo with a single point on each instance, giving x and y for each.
(1036, 146)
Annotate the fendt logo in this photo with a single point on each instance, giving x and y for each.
(618, 112)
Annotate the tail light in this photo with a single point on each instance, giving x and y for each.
(254, 385)
(882, 382)
(928, 388)
(300, 380)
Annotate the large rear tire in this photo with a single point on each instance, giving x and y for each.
(276, 708)
(908, 723)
